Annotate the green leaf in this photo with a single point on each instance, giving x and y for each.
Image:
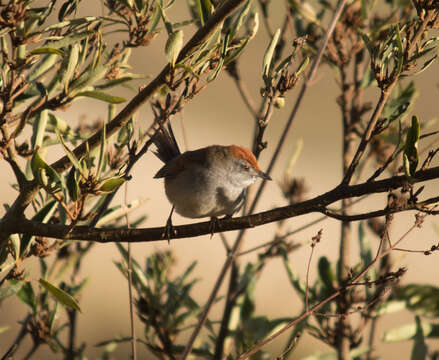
(368, 43)
(55, 122)
(390, 307)
(302, 66)
(305, 10)
(102, 150)
(411, 155)
(326, 274)
(368, 79)
(43, 66)
(426, 65)
(90, 76)
(400, 59)
(236, 52)
(423, 299)
(72, 157)
(239, 19)
(119, 81)
(112, 184)
(221, 60)
(268, 56)
(44, 173)
(406, 165)
(173, 46)
(72, 184)
(68, 66)
(39, 128)
(48, 50)
(10, 289)
(419, 350)
(100, 95)
(15, 241)
(27, 295)
(408, 332)
(60, 295)
(73, 22)
(70, 39)
(205, 9)
(43, 216)
(139, 277)
(156, 15)
(294, 279)
(53, 317)
(333, 355)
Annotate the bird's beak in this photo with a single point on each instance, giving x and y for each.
(263, 175)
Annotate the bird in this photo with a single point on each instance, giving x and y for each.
(207, 182)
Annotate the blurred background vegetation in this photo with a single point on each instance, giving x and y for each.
(69, 67)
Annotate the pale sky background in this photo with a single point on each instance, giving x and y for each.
(219, 116)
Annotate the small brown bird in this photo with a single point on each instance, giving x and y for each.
(208, 182)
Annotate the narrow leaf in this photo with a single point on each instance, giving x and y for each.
(42, 216)
(173, 46)
(400, 59)
(72, 157)
(112, 184)
(102, 150)
(68, 67)
(100, 95)
(63, 297)
(419, 350)
(408, 332)
(48, 50)
(39, 128)
(268, 56)
(72, 184)
(43, 172)
(411, 155)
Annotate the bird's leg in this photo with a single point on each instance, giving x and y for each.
(169, 229)
(213, 225)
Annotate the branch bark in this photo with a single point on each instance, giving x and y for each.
(317, 204)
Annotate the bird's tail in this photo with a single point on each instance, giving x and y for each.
(164, 140)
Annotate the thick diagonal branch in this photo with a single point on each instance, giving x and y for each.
(317, 204)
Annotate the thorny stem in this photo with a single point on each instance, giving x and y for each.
(238, 241)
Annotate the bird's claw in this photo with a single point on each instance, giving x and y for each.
(213, 225)
(169, 231)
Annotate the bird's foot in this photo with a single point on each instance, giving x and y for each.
(213, 226)
(169, 231)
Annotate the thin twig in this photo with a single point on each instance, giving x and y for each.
(307, 277)
(130, 283)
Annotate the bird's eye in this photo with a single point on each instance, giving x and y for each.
(245, 167)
